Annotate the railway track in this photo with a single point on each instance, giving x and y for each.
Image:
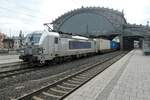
(14, 72)
(62, 88)
(22, 70)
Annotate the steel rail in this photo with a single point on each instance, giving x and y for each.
(76, 81)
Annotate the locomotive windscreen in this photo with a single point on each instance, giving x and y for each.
(79, 45)
(33, 37)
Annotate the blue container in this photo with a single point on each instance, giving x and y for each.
(114, 45)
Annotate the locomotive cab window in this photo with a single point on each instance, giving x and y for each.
(33, 37)
(56, 40)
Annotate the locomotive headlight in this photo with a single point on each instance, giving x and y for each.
(40, 50)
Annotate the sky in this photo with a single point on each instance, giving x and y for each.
(29, 15)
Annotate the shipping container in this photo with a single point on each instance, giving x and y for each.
(114, 45)
(103, 44)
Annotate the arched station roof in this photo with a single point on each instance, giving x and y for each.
(93, 21)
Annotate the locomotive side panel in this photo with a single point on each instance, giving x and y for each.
(75, 46)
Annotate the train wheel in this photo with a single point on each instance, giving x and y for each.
(42, 61)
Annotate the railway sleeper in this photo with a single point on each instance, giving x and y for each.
(87, 75)
(44, 96)
(81, 77)
(96, 72)
(37, 98)
(90, 71)
(59, 91)
(65, 87)
(77, 79)
(76, 82)
(54, 92)
(93, 72)
(70, 84)
(49, 96)
(84, 75)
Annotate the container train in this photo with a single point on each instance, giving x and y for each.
(43, 46)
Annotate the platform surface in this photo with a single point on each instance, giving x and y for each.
(127, 79)
(5, 59)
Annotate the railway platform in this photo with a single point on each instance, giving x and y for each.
(8, 59)
(127, 79)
